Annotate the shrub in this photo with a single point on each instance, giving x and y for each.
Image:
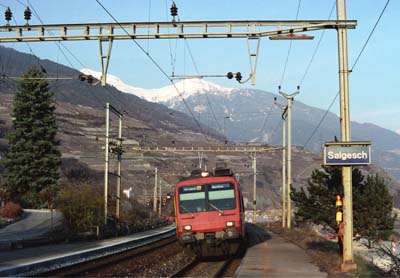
(81, 205)
(11, 210)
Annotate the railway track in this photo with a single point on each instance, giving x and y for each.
(107, 264)
(220, 268)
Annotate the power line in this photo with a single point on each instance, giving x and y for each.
(58, 46)
(316, 48)
(206, 94)
(322, 119)
(156, 64)
(290, 47)
(370, 35)
(351, 70)
(265, 120)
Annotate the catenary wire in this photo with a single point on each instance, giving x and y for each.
(351, 70)
(157, 66)
(316, 48)
(290, 46)
(39, 62)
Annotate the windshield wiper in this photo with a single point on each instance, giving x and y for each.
(187, 210)
(213, 206)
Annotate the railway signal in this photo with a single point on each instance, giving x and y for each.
(339, 209)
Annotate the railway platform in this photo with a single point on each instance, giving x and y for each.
(35, 260)
(271, 256)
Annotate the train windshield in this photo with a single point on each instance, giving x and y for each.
(221, 196)
(192, 199)
(207, 197)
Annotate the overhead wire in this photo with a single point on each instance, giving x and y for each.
(350, 71)
(41, 65)
(157, 66)
(198, 73)
(57, 44)
(316, 48)
(265, 121)
(290, 46)
(115, 98)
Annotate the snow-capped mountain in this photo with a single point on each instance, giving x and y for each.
(247, 115)
(184, 88)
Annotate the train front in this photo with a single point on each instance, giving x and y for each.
(210, 214)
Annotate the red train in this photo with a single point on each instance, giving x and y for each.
(209, 213)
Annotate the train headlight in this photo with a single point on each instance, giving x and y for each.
(187, 227)
(230, 223)
(205, 174)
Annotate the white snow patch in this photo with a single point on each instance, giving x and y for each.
(184, 88)
(200, 108)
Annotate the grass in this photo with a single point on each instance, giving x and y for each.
(324, 253)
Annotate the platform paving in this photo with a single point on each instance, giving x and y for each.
(271, 256)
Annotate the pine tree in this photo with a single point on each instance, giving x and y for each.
(32, 163)
(373, 207)
(316, 204)
(372, 202)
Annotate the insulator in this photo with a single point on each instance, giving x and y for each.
(89, 79)
(27, 14)
(174, 9)
(238, 76)
(8, 14)
(229, 75)
(82, 77)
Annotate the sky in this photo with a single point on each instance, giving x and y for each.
(374, 82)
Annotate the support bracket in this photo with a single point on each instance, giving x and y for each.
(253, 47)
(105, 59)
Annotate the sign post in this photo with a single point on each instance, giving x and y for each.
(346, 154)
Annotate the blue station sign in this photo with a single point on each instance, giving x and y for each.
(347, 153)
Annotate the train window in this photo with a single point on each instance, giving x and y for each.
(192, 199)
(221, 196)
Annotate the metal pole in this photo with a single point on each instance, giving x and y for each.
(289, 154)
(283, 172)
(289, 164)
(155, 191)
(254, 188)
(159, 199)
(284, 109)
(348, 263)
(117, 212)
(106, 162)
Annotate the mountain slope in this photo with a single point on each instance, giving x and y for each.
(247, 115)
(80, 115)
